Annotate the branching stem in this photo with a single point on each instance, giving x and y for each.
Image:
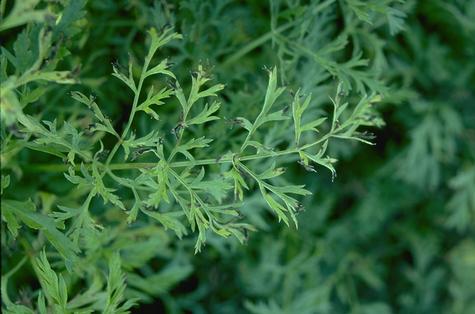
(132, 111)
(178, 164)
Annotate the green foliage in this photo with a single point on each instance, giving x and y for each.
(163, 183)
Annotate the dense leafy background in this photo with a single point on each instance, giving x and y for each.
(392, 233)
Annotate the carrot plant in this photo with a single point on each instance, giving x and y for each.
(182, 157)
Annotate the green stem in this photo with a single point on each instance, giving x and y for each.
(123, 182)
(7, 276)
(203, 205)
(256, 43)
(132, 112)
(267, 36)
(178, 164)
